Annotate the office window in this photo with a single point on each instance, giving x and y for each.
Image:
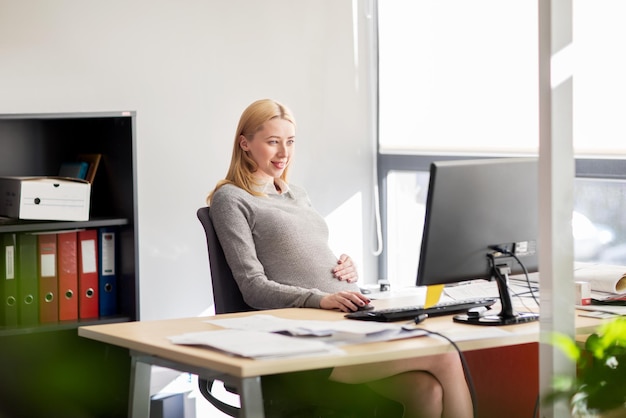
(598, 222)
(458, 79)
(459, 76)
(406, 197)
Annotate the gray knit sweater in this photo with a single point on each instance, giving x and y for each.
(276, 246)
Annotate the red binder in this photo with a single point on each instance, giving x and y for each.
(67, 257)
(88, 274)
(48, 279)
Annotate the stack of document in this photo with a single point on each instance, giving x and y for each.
(255, 344)
(266, 336)
(604, 278)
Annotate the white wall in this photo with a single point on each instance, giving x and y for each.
(188, 68)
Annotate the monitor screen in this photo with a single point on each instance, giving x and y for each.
(481, 223)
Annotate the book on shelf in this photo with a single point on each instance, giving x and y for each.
(84, 167)
(94, 161)
(74, 169)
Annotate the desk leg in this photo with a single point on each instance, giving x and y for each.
(139, 400)
(251, 398)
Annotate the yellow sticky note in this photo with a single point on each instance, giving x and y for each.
(433, 293)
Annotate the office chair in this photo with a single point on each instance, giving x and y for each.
(306, 394)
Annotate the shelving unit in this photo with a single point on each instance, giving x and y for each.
(48, 370)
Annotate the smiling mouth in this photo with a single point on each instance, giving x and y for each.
(280, 164)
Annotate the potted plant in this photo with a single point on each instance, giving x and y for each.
(599, 387)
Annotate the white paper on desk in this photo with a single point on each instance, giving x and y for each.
(270, 323)
(521, 295)
(598, 315)
(607, 278)
(387, 335)
(602, 277)
(255, 344)
(613, 309)
(471, 290)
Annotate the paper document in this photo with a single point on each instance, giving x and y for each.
(522, 297)
(602, 277)
(607, 278)
(266, 336)
(612, 309)
(269, 323)
(471, 290)
(255, 344)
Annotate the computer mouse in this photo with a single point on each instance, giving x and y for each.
(367, 307)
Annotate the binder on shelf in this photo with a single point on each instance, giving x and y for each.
(48, 279)
(67, 262)
(107, 270)
(88, 274)
(8, 280)
(27, 278)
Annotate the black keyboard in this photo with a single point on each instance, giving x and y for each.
(410, 312)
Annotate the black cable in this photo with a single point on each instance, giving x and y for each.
(524, 293)
(536, 410)
(530, 287)
(466, 371)
(498, 273)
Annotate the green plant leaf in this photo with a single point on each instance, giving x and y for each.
(600, 383)
(567, 345)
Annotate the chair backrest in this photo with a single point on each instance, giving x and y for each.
(226, 294)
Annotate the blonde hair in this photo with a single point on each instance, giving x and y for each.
(242, 167)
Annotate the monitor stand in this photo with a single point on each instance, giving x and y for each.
(500, 269)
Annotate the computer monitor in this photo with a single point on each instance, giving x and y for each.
(481, 223)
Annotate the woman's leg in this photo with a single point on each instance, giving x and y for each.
(445, 368)
(419, 392)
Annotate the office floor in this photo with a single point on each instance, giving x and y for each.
(166, 381)
(205, 410)
(196, 406)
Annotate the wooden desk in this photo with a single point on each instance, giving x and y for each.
(148, 344)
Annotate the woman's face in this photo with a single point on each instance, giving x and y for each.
(272, 148)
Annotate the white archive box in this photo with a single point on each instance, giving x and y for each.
(45, 198)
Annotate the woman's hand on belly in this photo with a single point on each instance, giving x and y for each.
(345, 270)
